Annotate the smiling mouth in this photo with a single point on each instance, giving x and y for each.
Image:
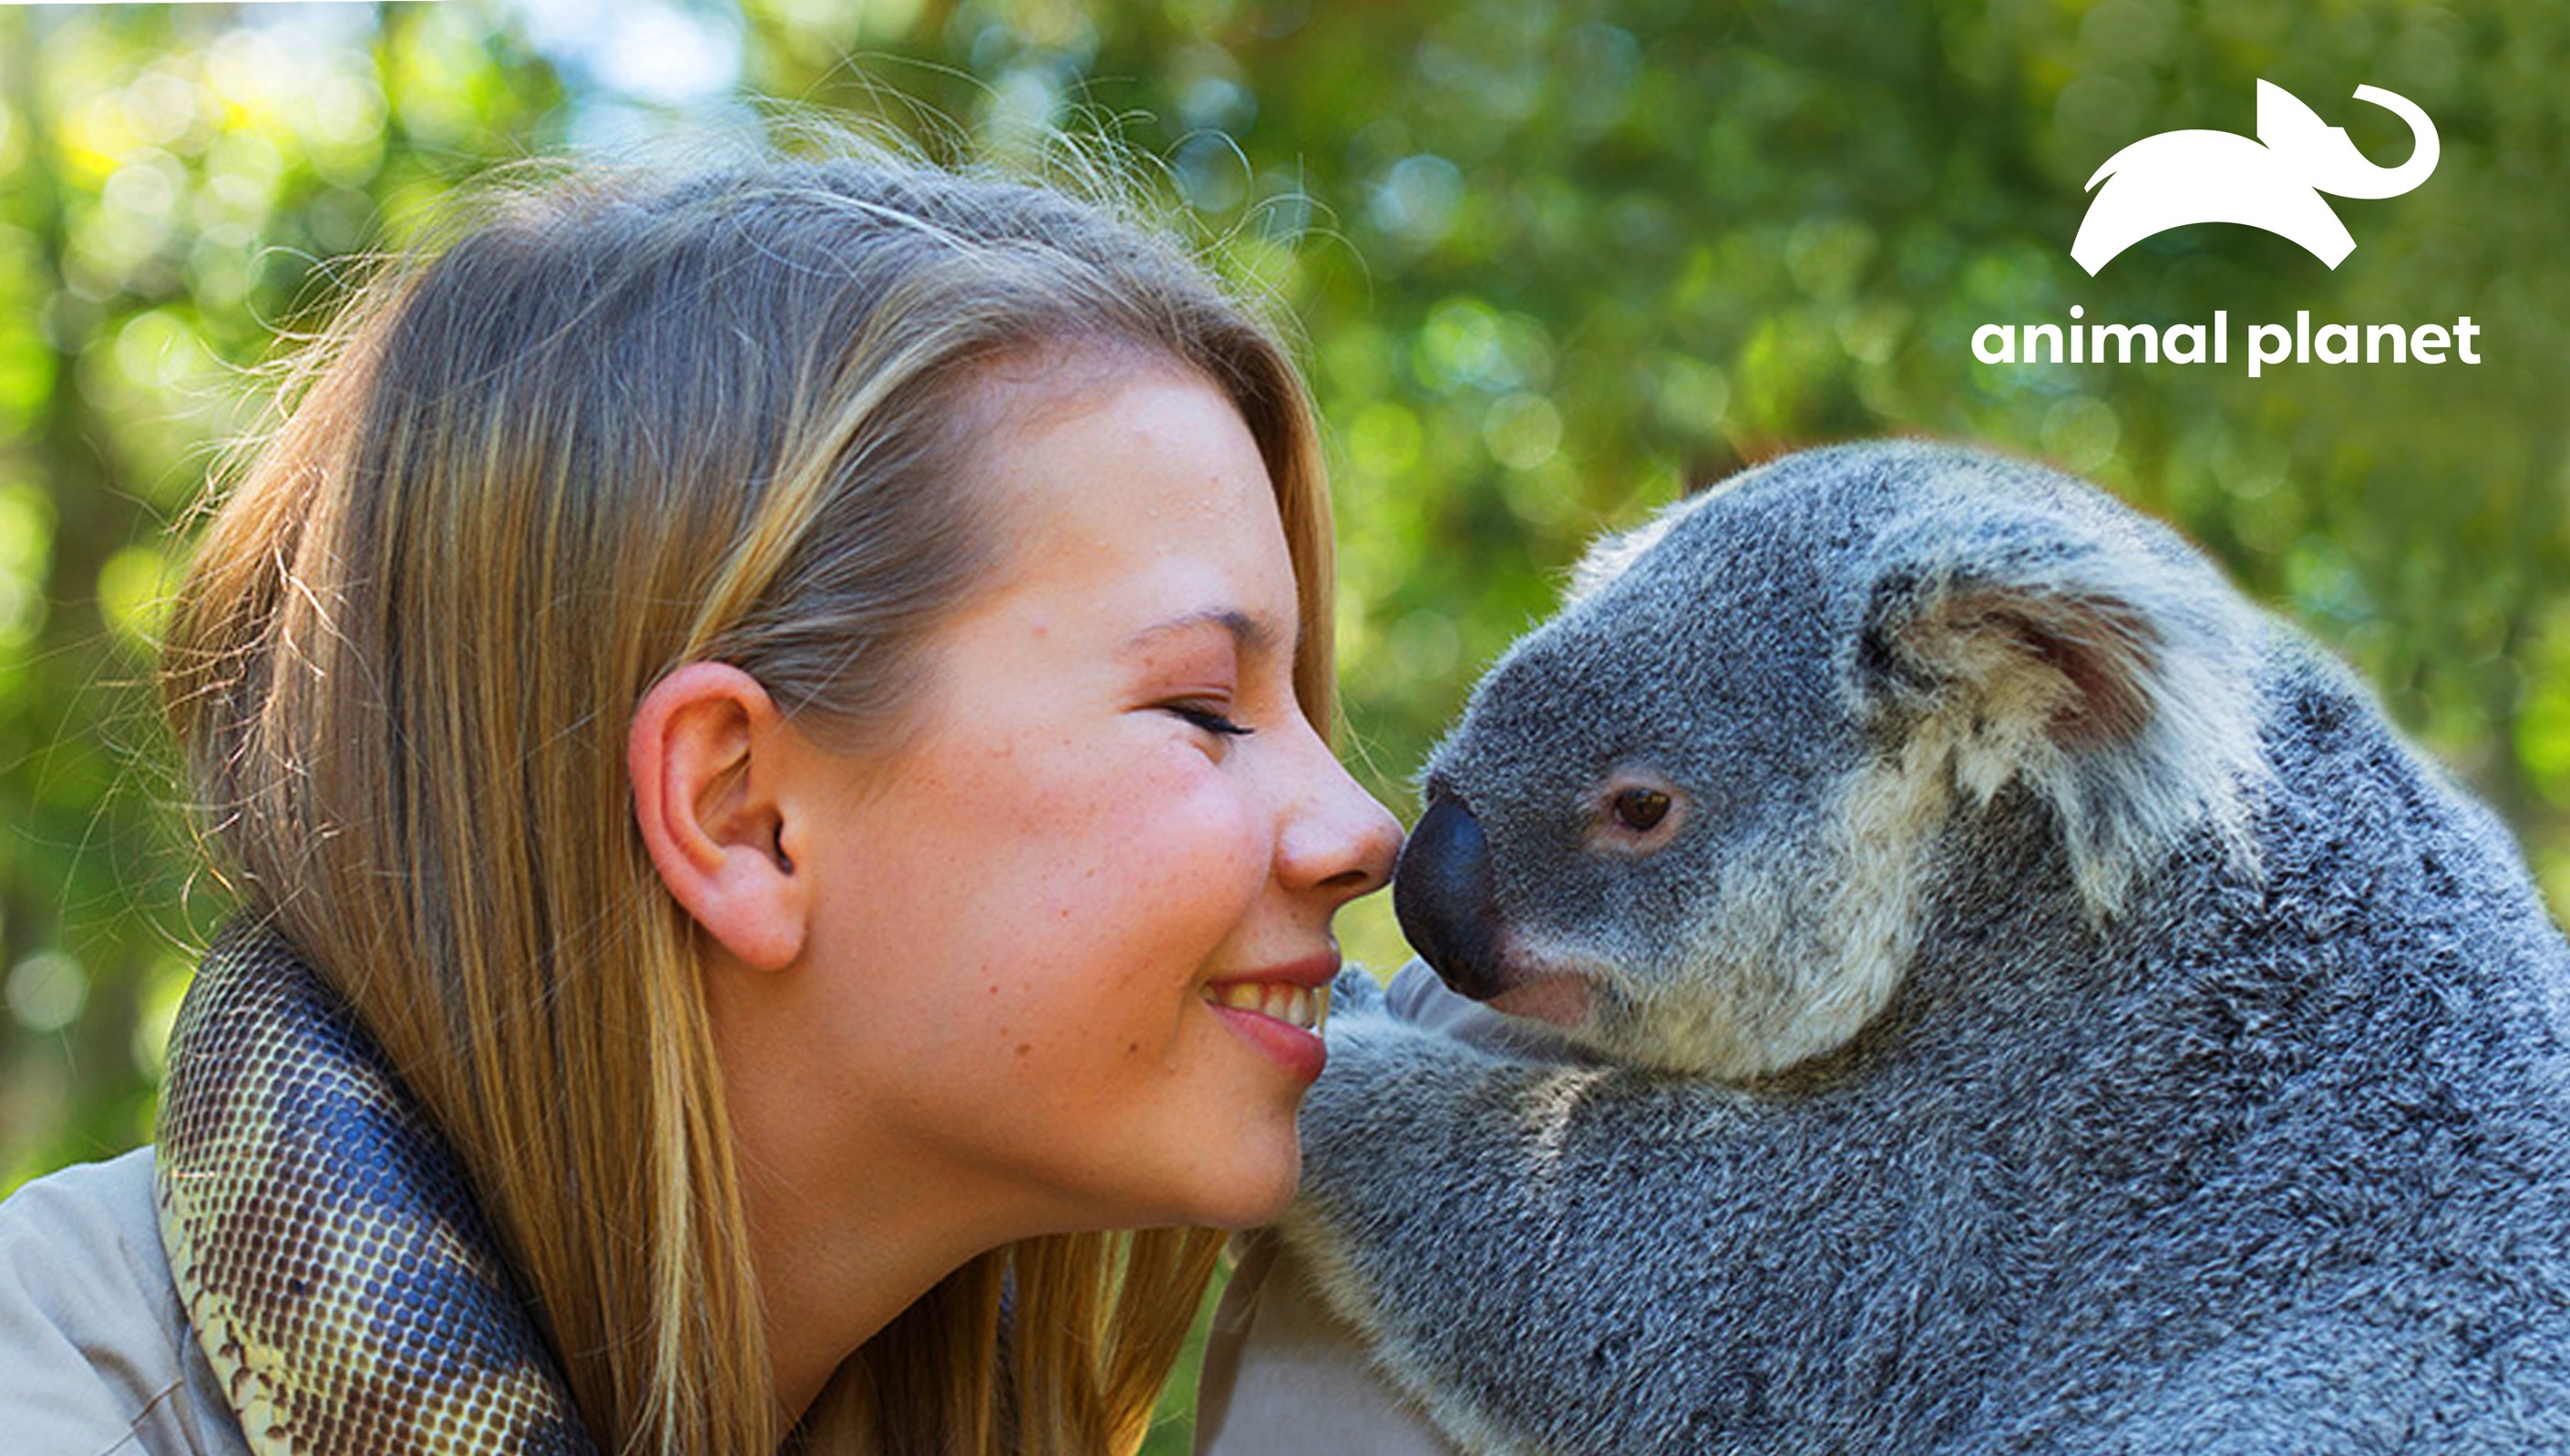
(1307, 1007)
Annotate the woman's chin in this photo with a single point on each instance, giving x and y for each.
(1252, 1193)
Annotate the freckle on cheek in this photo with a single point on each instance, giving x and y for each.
(1025, 1048)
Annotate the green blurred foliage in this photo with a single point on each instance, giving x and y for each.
(1554, 262)
(179, 178)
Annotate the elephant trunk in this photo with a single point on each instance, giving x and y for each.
(2348, 174)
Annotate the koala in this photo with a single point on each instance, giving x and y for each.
(2023, 999)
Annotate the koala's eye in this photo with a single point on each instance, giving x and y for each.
(1641, 809)
(1637, 811)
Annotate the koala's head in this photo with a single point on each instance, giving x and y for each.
(1694, 820)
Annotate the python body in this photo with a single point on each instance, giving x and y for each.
(325, 1245)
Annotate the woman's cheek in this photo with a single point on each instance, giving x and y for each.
(1222, 838)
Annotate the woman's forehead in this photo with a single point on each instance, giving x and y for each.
(1144, 501)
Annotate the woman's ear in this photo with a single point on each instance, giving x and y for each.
(703, 753)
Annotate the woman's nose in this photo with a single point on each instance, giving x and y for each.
(1336, 837)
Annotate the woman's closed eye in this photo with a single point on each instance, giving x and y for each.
(1212, 718)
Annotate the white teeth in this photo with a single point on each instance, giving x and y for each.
(1304, 1006)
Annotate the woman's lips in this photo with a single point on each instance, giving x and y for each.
(1282, 1019)
(1304, 1006)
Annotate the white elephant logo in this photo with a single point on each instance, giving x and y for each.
(2273, 182)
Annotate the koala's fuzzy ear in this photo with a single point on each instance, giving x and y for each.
(2111, 680)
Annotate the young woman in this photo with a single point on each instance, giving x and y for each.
(789, 707)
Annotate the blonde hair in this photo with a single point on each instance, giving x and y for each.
(620, 424)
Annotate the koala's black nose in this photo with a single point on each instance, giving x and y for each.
(1440, 891)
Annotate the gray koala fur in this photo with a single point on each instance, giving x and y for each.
(2057, 1013)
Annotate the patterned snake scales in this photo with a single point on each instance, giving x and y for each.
(325, 1244)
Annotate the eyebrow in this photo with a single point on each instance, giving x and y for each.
(1251, 636)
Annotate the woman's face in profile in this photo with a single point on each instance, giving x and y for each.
(1072, 936)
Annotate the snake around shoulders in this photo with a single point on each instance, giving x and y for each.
(325, 1245)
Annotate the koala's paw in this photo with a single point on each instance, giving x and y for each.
(1406, 1066)
(1354, 992)
(1365, 1039)
(1378, 1175)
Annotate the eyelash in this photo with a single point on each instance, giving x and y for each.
(1210, 721)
